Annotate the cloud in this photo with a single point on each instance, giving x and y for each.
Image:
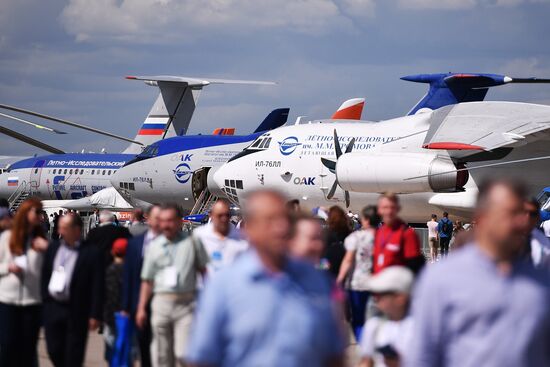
(161, 21)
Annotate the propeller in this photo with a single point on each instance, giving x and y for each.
(331, 165)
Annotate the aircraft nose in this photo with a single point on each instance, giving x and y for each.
(120, 176)
(220, 175)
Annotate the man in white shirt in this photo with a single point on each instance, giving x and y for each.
(221, 240)
(385, 338)
(433, 237)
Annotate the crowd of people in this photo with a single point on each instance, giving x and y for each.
(281, 288)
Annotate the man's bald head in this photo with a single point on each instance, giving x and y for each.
(70, 228)
(220, 214)
(256, 199)
(267, 223)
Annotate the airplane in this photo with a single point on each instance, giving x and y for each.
(177, 169)
(164, 170)
(76, 175)
(435, 158)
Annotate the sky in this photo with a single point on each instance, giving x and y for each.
(68, 58)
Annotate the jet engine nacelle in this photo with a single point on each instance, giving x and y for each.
(362, 172)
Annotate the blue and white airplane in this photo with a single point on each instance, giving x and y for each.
(164, 171)
(76, 175)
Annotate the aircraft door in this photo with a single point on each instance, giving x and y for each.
(199, 182)
(36, 174)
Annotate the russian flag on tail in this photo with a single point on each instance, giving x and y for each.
(153, 126)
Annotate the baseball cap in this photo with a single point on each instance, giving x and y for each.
(119, 247)
(397, 279)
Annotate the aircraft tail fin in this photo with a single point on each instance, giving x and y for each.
(275, 119)
(352, 109)
(174, 107)
(451, 88)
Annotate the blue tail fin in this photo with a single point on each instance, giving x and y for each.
(275, 119)
(451, 88)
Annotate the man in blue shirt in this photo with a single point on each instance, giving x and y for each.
(484, 306)
(266, 309)
(445, 228)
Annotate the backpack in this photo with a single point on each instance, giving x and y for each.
(446, 226)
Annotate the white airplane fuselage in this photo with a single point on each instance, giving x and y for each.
(167, 177)
(62, 176)
(292, 165)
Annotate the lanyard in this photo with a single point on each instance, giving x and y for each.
(169, 250)
(64, 256)
(384, 241)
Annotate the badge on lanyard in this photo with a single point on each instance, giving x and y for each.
(170, 276)
(58, 280)
(21, 261)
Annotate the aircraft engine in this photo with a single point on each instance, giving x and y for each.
(400, 173)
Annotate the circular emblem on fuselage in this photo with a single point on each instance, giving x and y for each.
(289, 145)
(183, 173)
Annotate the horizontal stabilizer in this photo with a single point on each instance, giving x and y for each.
(352, 109)
(196, 82)
(173, 109)
(451, 88)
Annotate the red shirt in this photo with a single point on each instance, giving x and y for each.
(394, 245)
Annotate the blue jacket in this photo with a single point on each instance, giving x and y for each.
(132, 274)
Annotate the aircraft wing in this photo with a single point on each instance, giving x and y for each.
(468, 128)
(29, 140)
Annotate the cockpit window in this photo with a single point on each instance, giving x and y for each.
(258, 145)
(149, 151)
(261, 143)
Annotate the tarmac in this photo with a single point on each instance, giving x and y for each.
(95, 349)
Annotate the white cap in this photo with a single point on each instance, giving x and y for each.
(398, 279)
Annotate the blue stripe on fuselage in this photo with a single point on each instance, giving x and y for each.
(115, 161)
(190, 142)
(76, 160)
